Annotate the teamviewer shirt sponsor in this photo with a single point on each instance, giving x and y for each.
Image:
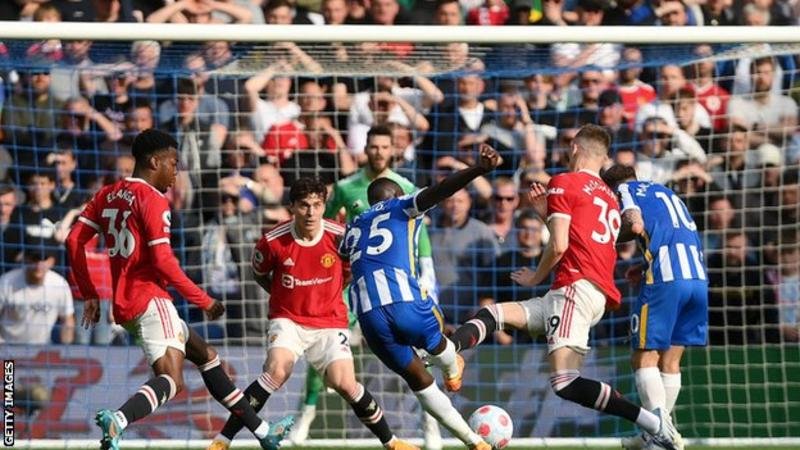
(307, 276)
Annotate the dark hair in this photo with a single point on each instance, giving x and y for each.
(685, 93)
(47, 172)
(186, 86)
(133, 105)
(383, 189)
(593, 134)
(527, 214)
(6, 189)
(617, 174)
(275, 4)
(379, 130)
(149, 142)
(790, 176)
(440, 3)
(763, 60)
(305, 186)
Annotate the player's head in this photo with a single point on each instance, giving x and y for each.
(379, 148)
(591, 143)
(40, 256)
(156, 158)
(383, 189)
(307, 198)
(617, 174)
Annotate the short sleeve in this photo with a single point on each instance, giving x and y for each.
(627, 199)
(91, 213)
(409, 204)
(262, 258)
(66, 308)
(156, 222)
(559, 198)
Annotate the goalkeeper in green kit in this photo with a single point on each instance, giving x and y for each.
(350, 194)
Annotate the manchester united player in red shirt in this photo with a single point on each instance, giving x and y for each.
(584, 221)
(298, 263)
(134, 217)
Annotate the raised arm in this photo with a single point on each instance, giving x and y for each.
(488, 160)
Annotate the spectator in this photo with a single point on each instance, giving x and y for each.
(84, 128)
(335, 12)
(762, 200)
(676, 13)
(787, 287)
(38, 218)
(8, 203)
(492, 12)
(741, 305)
(719, 219)
(512, 133)
(611, 115)
(114, 103)
(75, 77)
(605, 56)
(541, 99)
(771, 117)
(277, 109)
(50, 50)
(201, 11)
(718, 13)
(671, 80)
(29, 120)
(463, 250)
(210, 108)
(66, 193)
(711, 95)
(505, 201)
(730, 175)
(145, 56)
(33, 298)
(287, 12)
(114, 11)
(226, 253)
(448, 12)
(633, 91)
(685, 105)
(662, 146)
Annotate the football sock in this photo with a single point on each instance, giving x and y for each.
(474, 331)
(446, 360)
(369, 413)
(672, 387)
(147, 399)
(439, 406)
(237, 402)
(650, 387)
(569, 385)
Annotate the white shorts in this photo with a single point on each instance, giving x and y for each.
(157, 328)
(565, 315)
(322, 346)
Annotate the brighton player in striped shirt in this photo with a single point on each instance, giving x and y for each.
(584, 221)
(394, 312)
(297, 262)
(133, 215)
(671, 311)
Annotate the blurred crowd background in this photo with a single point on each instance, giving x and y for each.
(716, 125)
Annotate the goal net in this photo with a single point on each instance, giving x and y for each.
(715, 122)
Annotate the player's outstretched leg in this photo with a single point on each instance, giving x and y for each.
(488, 319)
(308, 411)
(154, 393)
(223, 390)
(445, 357)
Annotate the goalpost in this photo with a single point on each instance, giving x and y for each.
(743, 390)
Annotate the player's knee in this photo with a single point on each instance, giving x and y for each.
(177, 382)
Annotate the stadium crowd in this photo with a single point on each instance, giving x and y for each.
(721, 132)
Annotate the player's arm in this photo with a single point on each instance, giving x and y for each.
(82, 232)
(262, 265)
(552, 254)
(488, 160)
(632, 220)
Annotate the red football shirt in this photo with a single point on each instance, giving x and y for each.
(284, 139)
(635, 96)
(134, 218)
(595, 220)
(715, 100)
(307, 277)
(99, 272)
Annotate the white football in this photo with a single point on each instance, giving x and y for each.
(493, 424)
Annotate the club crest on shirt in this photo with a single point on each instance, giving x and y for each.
(328, 260)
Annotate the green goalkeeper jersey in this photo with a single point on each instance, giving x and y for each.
(351, 194)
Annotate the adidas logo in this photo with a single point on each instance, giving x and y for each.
(289, 262)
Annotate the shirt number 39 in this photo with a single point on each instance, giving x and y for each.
(610, 221)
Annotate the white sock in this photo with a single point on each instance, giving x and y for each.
(309, 409)
(446, 360)
(262, 430)
(648, 421)
(439, 406)
(672, 387)
(122, 421)
(650, 388)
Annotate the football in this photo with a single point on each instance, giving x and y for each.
(493, 424)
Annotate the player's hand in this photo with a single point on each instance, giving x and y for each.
(488, 158)
(524, 277)
(537, 196)
(214, 311)
(91, 313)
